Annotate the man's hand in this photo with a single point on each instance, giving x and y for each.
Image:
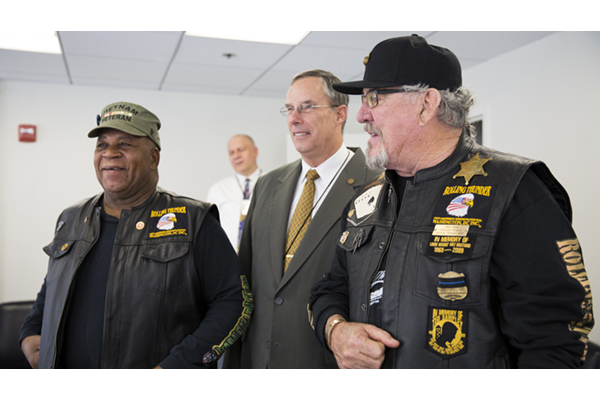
(358, 345)
(31, 348)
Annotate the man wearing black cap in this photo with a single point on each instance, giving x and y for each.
(458, 256)
(138, 277)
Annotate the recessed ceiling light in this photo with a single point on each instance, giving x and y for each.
(36, 41)
(266, 36)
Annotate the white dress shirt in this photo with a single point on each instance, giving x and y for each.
(328, 171)
(228, 195)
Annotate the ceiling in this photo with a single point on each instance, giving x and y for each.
(171, 61)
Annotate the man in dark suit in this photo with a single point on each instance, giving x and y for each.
(284, 263)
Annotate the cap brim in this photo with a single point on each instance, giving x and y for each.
(116, 124)
(356, 87)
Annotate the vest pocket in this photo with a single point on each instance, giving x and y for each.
(56, 250)
(355, 237)
(468, 288)
(163, 266)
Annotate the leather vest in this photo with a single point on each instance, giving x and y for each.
(438, 300)
(153, 295)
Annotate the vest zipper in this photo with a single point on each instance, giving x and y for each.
(387, 246)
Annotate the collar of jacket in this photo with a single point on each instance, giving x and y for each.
(464, 146)
(97, 200)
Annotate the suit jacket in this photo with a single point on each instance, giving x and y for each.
(279, 334)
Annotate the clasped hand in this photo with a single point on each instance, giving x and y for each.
(357, 345)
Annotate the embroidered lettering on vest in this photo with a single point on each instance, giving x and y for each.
(448, 332)
(570, 252)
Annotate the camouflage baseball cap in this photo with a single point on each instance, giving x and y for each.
(129, 118)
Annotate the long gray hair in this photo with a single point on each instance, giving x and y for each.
(454, 106)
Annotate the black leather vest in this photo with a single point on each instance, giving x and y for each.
(153, 295)
(437, 296)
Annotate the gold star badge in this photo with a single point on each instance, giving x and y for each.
(472, 167)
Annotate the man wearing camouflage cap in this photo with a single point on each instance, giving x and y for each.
(458, 256)
(138, 277)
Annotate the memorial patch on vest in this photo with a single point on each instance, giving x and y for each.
(169, 222)
(455, 246)
(464, 205)
(447, 332)
(452, 286)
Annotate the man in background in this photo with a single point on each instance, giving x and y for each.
(292, 225)
(232, 195)
(138, 277)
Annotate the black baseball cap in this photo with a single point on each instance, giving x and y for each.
(407, 60)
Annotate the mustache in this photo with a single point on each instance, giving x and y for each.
(373, 129)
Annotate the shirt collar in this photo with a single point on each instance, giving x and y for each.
(328, 168)
(253, 176)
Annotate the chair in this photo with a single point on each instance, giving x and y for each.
(12, 316)
(592, 360)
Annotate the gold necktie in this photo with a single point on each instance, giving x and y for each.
(301, 218)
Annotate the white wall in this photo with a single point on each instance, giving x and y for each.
(38, 180)
(540, 101)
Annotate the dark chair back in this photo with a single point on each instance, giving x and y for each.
(12, 316)
(592, 360)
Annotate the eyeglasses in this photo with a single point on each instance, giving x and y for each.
(305, 108)
(373, 100)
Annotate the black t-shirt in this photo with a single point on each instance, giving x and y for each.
(83, 328)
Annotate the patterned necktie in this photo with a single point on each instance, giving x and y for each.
(247, 189)
(301, 218)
